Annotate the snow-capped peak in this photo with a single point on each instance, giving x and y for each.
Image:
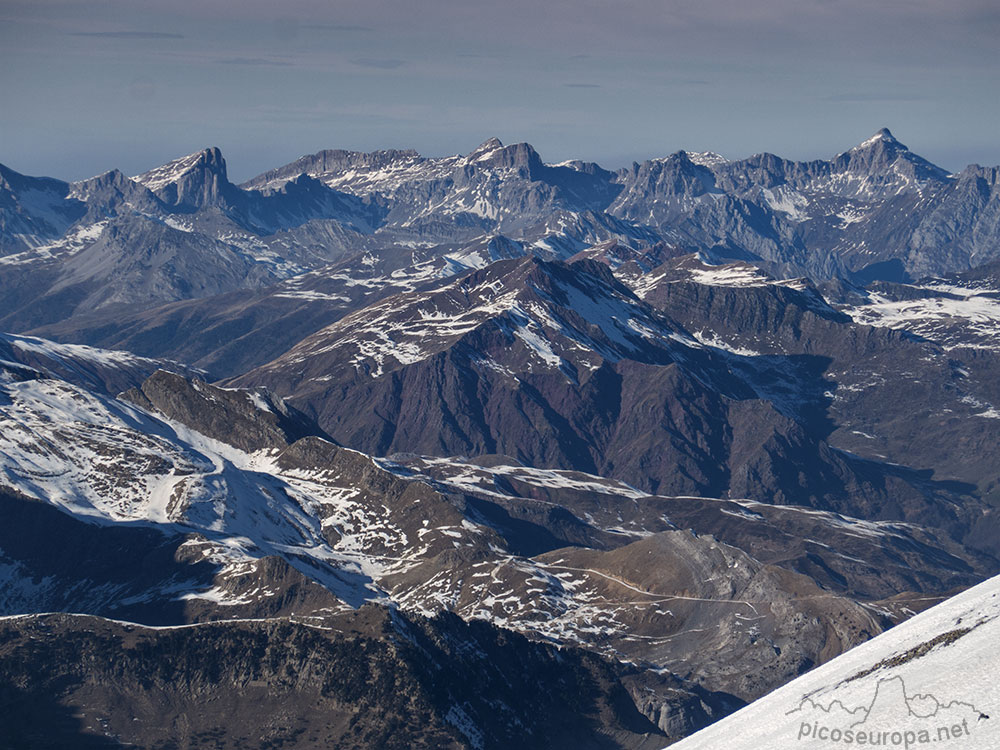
(160, 177)
(706, 158)
(485, 149)
(882, 136)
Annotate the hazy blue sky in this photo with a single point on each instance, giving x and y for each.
(87, 86)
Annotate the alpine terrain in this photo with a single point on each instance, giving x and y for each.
(376, 450)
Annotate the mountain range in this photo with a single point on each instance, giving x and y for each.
(875, 211)
(479, 451)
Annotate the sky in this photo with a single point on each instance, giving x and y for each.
(130, 84)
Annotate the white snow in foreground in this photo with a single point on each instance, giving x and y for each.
(929, 682)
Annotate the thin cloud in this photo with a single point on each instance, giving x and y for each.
(379, 63)
(128, 34)
(582, 85)
(252, 61)
(876, 98)
(337, 27)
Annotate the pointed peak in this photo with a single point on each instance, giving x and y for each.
(209, 158)
(486, 148)
(680, 156)
(886, 165)
(111, 177)
(882, 136)
(191, 181)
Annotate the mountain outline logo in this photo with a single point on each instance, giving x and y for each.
(893, 718)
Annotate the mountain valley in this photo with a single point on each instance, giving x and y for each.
(382, 450)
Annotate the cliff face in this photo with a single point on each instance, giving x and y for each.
(369, 679)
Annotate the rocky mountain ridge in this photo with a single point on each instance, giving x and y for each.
(874, 211)
(675, 434)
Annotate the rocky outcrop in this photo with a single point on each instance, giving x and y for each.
(372, 679)
(250, 421)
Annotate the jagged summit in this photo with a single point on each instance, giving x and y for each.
(706, 158)
(191, 181)
(822, 218)
(487, 146)
(207, 158)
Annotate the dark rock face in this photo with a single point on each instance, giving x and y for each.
(136, 573)
(250, 421)
(33, 210)
(83, 567)
(370, 679)
(197, 180)
(894, 393)
(561, 366)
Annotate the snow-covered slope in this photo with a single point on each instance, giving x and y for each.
(960, 311)
(102, 459)
(104, 370)
(561, 319)
(931, 681)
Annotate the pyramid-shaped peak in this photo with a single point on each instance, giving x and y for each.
(888, 162)
(883, 137)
